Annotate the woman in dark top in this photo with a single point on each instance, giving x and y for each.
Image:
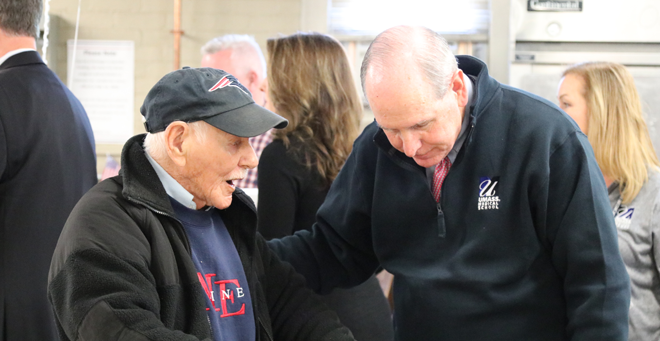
(310, 83)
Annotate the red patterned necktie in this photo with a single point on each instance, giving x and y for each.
(441, 170)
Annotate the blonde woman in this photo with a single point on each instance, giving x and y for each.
(310, 83)
(602, 99)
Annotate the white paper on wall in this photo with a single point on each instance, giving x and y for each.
(103, 80)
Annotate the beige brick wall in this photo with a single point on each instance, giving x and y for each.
(149, 23)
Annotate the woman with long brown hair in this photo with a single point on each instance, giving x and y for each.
(310, 83)
(602, 99)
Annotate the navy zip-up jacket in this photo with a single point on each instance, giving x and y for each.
(522, 246)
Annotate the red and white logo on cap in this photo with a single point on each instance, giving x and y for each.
(223, 83)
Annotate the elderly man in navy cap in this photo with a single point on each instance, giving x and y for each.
(168, 249)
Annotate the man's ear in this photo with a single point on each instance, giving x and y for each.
(458, 87)
(176, 136)
(253, 80)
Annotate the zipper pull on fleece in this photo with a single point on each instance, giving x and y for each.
(442, 231)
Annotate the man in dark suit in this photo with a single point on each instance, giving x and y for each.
(47, 162)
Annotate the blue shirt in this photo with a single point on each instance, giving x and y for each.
(220, 274)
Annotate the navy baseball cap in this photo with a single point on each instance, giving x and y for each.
(211, 95)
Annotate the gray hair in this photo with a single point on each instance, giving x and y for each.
(242, 43)
(155, 144)
(20, 17)
(427, 49)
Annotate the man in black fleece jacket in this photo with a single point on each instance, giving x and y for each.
(168, 250)
(517, 244)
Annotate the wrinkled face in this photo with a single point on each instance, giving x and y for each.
(415, 120)
(572, 101)
(213, 164)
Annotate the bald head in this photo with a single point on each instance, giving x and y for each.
(240, 56)
(416, 92)
(412, 50)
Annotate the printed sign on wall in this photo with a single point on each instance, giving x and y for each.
(101, 75)
(554, 5)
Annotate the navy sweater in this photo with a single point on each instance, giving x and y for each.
(521, 247)
(220, 273)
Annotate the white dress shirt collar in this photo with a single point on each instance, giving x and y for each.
(13, 53)
(172, 187)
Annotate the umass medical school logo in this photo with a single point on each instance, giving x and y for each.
(623, 217)
(488, 198)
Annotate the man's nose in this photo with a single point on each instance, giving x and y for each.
(410, 144)
(249, 158)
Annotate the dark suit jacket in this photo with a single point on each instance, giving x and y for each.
(47, 162)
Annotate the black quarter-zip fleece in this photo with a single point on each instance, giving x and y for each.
(521, 247)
